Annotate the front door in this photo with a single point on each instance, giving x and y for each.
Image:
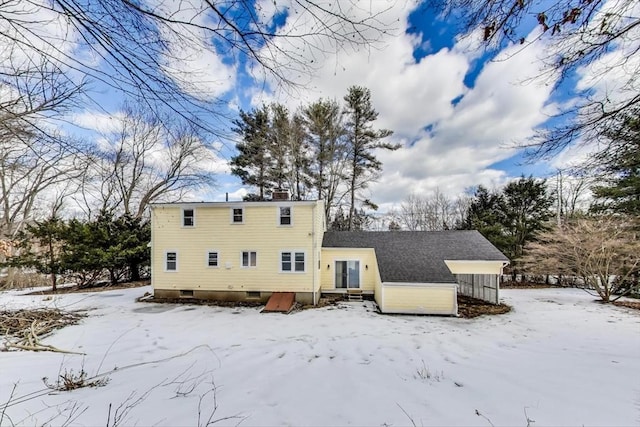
(347, 274)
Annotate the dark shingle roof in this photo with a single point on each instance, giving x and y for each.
(417, 256)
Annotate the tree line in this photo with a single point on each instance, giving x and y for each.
(542, 227)
(324, 151)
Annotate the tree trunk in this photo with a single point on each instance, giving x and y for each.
(135, 272)
(54, 282)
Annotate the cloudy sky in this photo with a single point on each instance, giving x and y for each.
(457, 111)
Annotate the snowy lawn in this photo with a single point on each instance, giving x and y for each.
(559, 356)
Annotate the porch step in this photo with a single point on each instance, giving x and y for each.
(354, 294)
(280, 302)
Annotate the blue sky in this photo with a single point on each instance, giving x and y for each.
(457, 110)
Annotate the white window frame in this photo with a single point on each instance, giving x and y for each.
(280, 224)
(212, 251)
(233, 216)
(249, 252)
(166, 260)
(293, 254)
(193, 217)
(360, 265)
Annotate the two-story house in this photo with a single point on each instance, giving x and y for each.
(239, 251)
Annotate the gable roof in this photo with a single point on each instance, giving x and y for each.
(417, 256)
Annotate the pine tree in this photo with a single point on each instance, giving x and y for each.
(362, 140)
(41, 247)
(620, 164)
(254, 163)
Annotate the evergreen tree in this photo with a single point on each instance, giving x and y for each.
(486, 213)
(620, 164)
(325, 132)
(41, 247)
(254, 163)
(362, 140)
(512, 217)
(527, 211)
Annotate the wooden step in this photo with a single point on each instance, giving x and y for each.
(354, 294)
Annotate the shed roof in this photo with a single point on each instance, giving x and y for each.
(417, 256)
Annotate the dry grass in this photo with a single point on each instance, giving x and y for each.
(18, 279)
(471, 307)
(100, 288)
(629, 304)
(23, 329)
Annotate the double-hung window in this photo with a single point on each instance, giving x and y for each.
(292, 262)
(249, 259)
(171, 261)
(212, 259)
(285, 215)
(237, 215)
(188, 218)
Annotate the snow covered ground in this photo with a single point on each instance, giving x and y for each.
(558, 356)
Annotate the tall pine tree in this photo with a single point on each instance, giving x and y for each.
(362, 141)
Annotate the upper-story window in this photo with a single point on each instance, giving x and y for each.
(188, 218)
(285, 215)
(237, 215)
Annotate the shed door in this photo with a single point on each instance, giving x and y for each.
(347, 274)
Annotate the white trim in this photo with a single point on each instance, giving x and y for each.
(166, 253)
(250, 251)
(420, 285)
(279, 216)
(359, 272)
(232, 217)
(193, 218)
(206, 261)
(293, 261)
(238, 203)
(340, 249)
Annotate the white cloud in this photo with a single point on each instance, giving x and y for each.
(463, 140)
(479, 132)
(100, 122)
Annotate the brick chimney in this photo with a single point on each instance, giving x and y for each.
(280, 194)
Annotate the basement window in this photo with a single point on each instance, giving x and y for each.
(253, 294)
(186, 293)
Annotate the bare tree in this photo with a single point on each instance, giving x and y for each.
(145, 160)
(38, 164)
(580, 34)
(572, 188)
(141, 48)
(603, 252)
(432, 212)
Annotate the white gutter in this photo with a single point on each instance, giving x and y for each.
(313, 254)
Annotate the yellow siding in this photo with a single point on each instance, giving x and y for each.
(419, 299)
(369, 275)
(475, 267)
(213, 231)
